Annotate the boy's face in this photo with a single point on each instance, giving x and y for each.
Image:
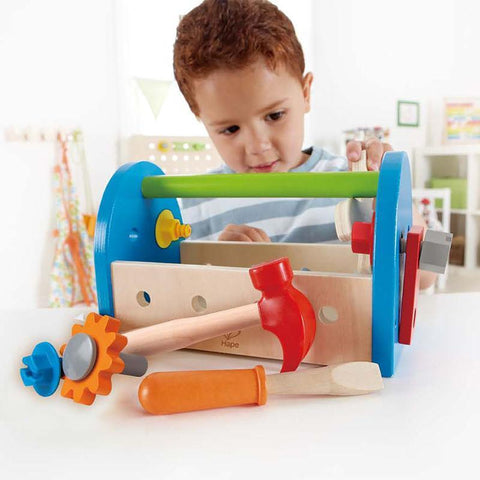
(254, 116)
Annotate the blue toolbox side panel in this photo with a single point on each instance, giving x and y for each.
(393, 219)
(125, 227)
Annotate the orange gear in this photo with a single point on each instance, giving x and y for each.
(104, 330)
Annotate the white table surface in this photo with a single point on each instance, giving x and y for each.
(425, 423)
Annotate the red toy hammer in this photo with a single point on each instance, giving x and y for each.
(282, 310)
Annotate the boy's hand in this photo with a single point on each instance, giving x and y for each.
(375, 150)
(243, 233)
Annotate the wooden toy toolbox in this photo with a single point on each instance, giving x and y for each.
(142, 284)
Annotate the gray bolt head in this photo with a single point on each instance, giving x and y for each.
(435, 251)
(79, 356)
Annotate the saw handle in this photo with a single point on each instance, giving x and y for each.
(174, 392)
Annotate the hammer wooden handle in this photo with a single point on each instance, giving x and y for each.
(174, 392)
(182, 332)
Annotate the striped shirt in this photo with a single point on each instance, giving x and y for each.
(300, 220)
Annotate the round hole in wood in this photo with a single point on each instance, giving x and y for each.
(143, 298)
(133, 235)
(199, 304)
(328, 314)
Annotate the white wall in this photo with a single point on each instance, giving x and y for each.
(371, 53)
(57, 69)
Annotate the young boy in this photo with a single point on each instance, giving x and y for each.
(240, 67)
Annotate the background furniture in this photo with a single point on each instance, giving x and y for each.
(174, 155)
(433, 194)
(456, 161)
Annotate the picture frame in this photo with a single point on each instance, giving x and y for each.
(462, 120)
(408, 113)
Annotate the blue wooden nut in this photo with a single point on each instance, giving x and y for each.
(43, 369)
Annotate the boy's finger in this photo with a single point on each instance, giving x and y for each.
(387, 148)
(243, 233)
(374, 150)
(232, 236)
(264, 237)
(384, 147)
(354, 150)
(253, 233)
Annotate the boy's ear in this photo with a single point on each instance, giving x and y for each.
(307, 85)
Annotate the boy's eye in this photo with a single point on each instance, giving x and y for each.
(230, 130)
(275, 115)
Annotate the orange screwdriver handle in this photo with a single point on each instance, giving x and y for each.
(174, 392)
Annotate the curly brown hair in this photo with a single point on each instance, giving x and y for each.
(232, 34)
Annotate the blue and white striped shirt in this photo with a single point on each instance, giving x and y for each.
(300, 220)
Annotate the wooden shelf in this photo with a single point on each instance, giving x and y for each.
(457, 211)
(461, 211)
(462, 162)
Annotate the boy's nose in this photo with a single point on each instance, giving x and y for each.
(257, 144)
(258, 149)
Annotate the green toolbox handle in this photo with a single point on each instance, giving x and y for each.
(287, 184)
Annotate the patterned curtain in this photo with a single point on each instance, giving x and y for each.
(73, 274)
